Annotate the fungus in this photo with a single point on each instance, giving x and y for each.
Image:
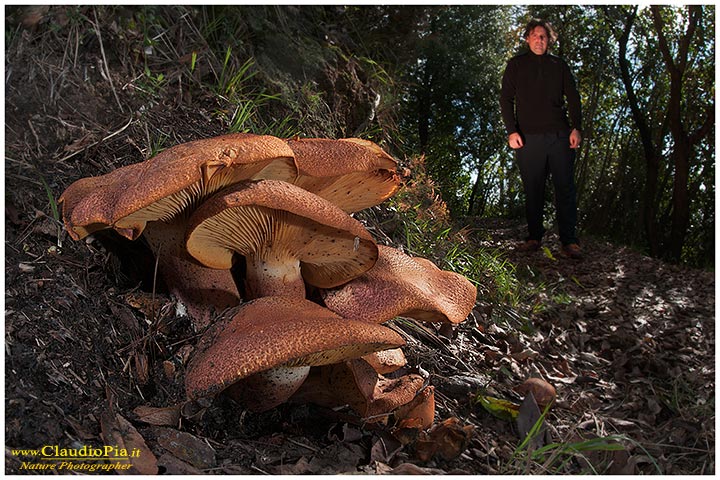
(543, 392)
(263, 353)
(386, 361)
(156, 196)
(352, 173)
(170, 183)
(287, 235)
(400, 285)
(420, 412)
(357, 384)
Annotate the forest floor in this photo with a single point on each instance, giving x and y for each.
(627, 341)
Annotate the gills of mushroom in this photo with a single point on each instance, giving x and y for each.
(287, 235)
(351, 173)
(263, 353)
(400, 285)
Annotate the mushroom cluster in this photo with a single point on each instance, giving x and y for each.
(280, 211)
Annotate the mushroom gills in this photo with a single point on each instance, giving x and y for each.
(266, 390)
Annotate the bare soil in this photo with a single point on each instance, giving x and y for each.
(628, 341)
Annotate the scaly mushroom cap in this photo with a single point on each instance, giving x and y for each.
(353, 174)
(400, 285)
(167, 184)
(278, 332)
(287, 234)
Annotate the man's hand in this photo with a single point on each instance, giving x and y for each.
(575, 138)
(515, 141)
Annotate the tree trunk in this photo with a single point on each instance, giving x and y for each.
(652, 161)
(424, 109)
(682, 147)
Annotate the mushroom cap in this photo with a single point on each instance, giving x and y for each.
(543, 392)
(356, 383)
(370, 394)
(420, 412)
(275, 220)
(352, 173)
(279, 332)
(386, 361)
(165, 185)
(400, 285)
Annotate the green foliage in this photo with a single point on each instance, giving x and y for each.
(450, 112)
(436, 71)
(51, 199)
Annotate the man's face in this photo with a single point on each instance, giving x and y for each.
(538, 40)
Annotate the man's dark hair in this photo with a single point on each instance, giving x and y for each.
(537, 22)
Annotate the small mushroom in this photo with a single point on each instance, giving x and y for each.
(420, 412)
(265, 351)
(287, 235)
(400, 285)
(543, 392)
(352, 173)
(357, 384)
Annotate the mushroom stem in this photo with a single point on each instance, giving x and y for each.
(271, 276)
(266, 390)
(202, 290)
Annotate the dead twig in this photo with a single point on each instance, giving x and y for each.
(108, 137)
(96, 25)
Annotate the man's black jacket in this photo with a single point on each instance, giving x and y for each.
(533, 94)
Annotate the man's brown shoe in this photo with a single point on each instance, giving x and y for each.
(528, 246)
(572, 250)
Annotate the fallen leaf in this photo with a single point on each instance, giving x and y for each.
(527, 422)
(141, 367)
(186, 447)
(301, 467)
(161, 416)
(502, 409)
(448, 439)
(410, 469)
(116, 430)
(79, 144)
(175, 466)
(385, 448)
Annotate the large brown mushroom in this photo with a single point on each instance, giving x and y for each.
(263, 353)
(286, 234)
(156, 197)
(352, 173)
(171, 183)
(400, 285)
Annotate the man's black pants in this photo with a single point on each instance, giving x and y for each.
(544, 154)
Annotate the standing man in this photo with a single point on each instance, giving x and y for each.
(538, 92)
